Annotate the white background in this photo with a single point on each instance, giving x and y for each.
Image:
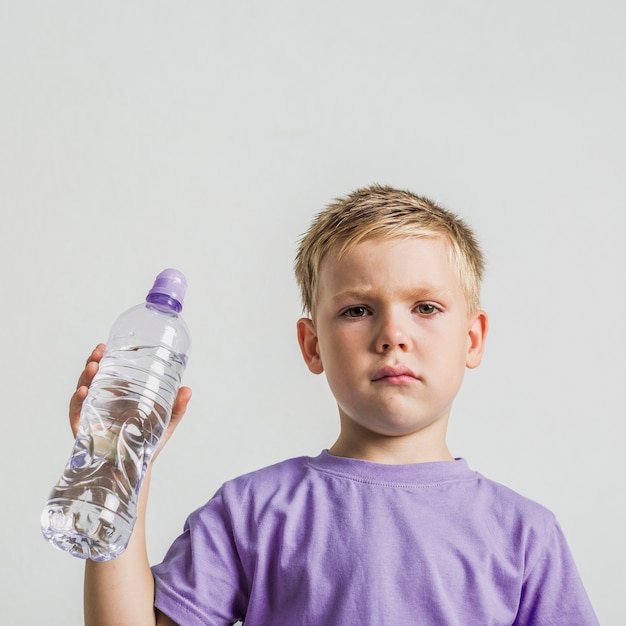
(205, 135)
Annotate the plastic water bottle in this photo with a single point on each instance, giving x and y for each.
(92, 509)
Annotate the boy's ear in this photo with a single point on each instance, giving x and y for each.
(309, 345)
(477, 334)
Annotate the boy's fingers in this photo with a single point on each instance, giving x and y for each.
(76, 404)
(180, 404)
(91, 366)
(178, 410)
(96, 354)
(86, 376)
(82, 386)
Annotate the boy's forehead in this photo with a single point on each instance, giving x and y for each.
(425, 260)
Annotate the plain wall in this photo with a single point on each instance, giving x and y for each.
(205, 135)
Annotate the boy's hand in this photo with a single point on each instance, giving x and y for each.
(82, 387)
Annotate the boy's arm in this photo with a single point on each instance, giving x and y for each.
(121, 591)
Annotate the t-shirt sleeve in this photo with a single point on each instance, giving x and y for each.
(552, 591)
(201, 582)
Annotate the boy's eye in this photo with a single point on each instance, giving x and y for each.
(356, 311)
(424, 308)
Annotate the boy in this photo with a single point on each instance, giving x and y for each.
(385, 527)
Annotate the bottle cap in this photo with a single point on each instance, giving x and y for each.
(169, 289)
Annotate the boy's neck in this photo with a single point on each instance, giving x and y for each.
(399, 450)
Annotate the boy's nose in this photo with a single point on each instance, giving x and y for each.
(392, 334)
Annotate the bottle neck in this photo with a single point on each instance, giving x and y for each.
(164, 303)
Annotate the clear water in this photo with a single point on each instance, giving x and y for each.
(91, 511)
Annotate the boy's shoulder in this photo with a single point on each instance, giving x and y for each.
(510, 509)
(269, 478)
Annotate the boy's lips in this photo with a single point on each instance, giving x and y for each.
(394, 374)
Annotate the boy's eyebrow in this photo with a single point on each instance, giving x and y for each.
(423, 291)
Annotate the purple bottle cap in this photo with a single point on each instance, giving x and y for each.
(169, 290)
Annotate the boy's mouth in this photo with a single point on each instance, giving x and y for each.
(396, 374)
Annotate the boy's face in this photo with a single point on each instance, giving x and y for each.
(393, 334)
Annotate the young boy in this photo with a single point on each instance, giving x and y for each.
(385, 527)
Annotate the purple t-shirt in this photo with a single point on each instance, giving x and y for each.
(330, 540)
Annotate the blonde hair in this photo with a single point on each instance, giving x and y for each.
(380, 212)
